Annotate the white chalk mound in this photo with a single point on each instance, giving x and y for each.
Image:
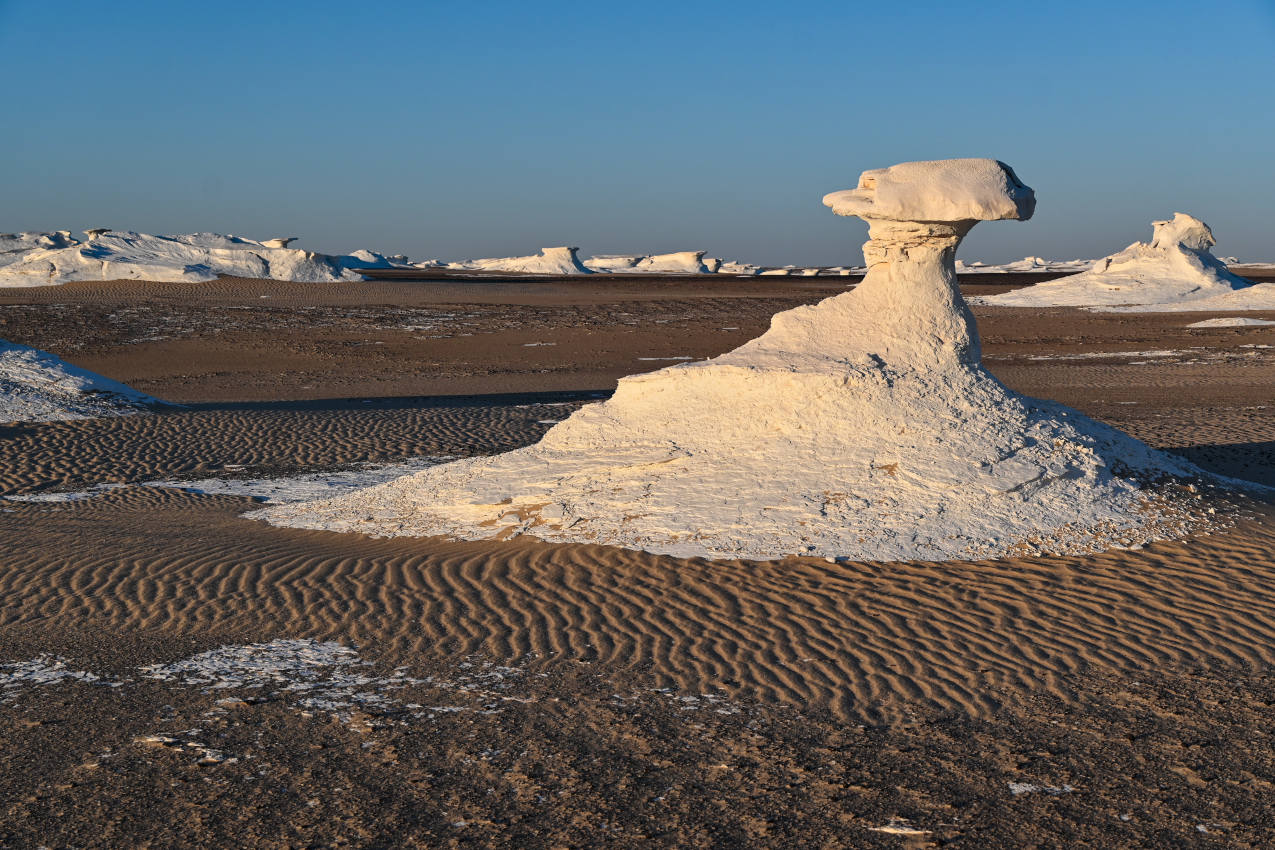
(678, 262)
(561, 260)
(1231, 322)
(862, 427)
(1174, 270)
(36, 386)
(50, 259)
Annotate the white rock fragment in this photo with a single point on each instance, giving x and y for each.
(1019, 788)
(861, 427)
(41, 670)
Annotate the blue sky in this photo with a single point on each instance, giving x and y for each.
(458, 130)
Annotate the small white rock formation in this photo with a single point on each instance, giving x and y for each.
(36, 386)
(863, 427)
(1175, 268)
(1232, 322)
(562, 260)
(1027, 264)
(738, 268)
(279, 241)
(678, 262)
(613, 263)
(50, 259)
(14, 245)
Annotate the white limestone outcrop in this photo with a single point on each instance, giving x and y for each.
(1174, 271)
(863, 426)
(561, 260)
(51, 259)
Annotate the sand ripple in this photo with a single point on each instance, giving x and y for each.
(862, 640)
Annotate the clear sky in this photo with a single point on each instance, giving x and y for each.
(459, 130)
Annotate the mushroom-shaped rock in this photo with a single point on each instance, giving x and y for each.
(279, 241)
(863, 426)
(94, 232)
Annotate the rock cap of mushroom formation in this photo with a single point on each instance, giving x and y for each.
(939, 190)
(863, 427)
(1174, 271)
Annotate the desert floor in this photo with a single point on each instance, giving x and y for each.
(517, 694)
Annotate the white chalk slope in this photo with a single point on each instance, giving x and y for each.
(36, 386)
(1174, 272)
(45, 259)
(863, 427)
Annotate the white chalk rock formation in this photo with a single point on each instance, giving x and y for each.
(613, 263)
(1175, 268)
(679, 262)
(50, 259)
(863, 426)
(561, 260)
(15, 246)
(736, 267)
(36, 386)
(1027, 264)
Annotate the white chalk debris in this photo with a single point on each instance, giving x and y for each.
(36, 386)
(1231, 322)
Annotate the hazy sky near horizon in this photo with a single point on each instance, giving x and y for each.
(485, 129)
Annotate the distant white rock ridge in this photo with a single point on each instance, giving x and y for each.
(1174, 271)
(44, 259)
(559, 261)
(861, 427)
(36, 386)
(1025, 265)
(565, 261)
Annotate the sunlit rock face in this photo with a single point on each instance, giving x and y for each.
(49, 259)
(1175, 268)
(863, 426)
